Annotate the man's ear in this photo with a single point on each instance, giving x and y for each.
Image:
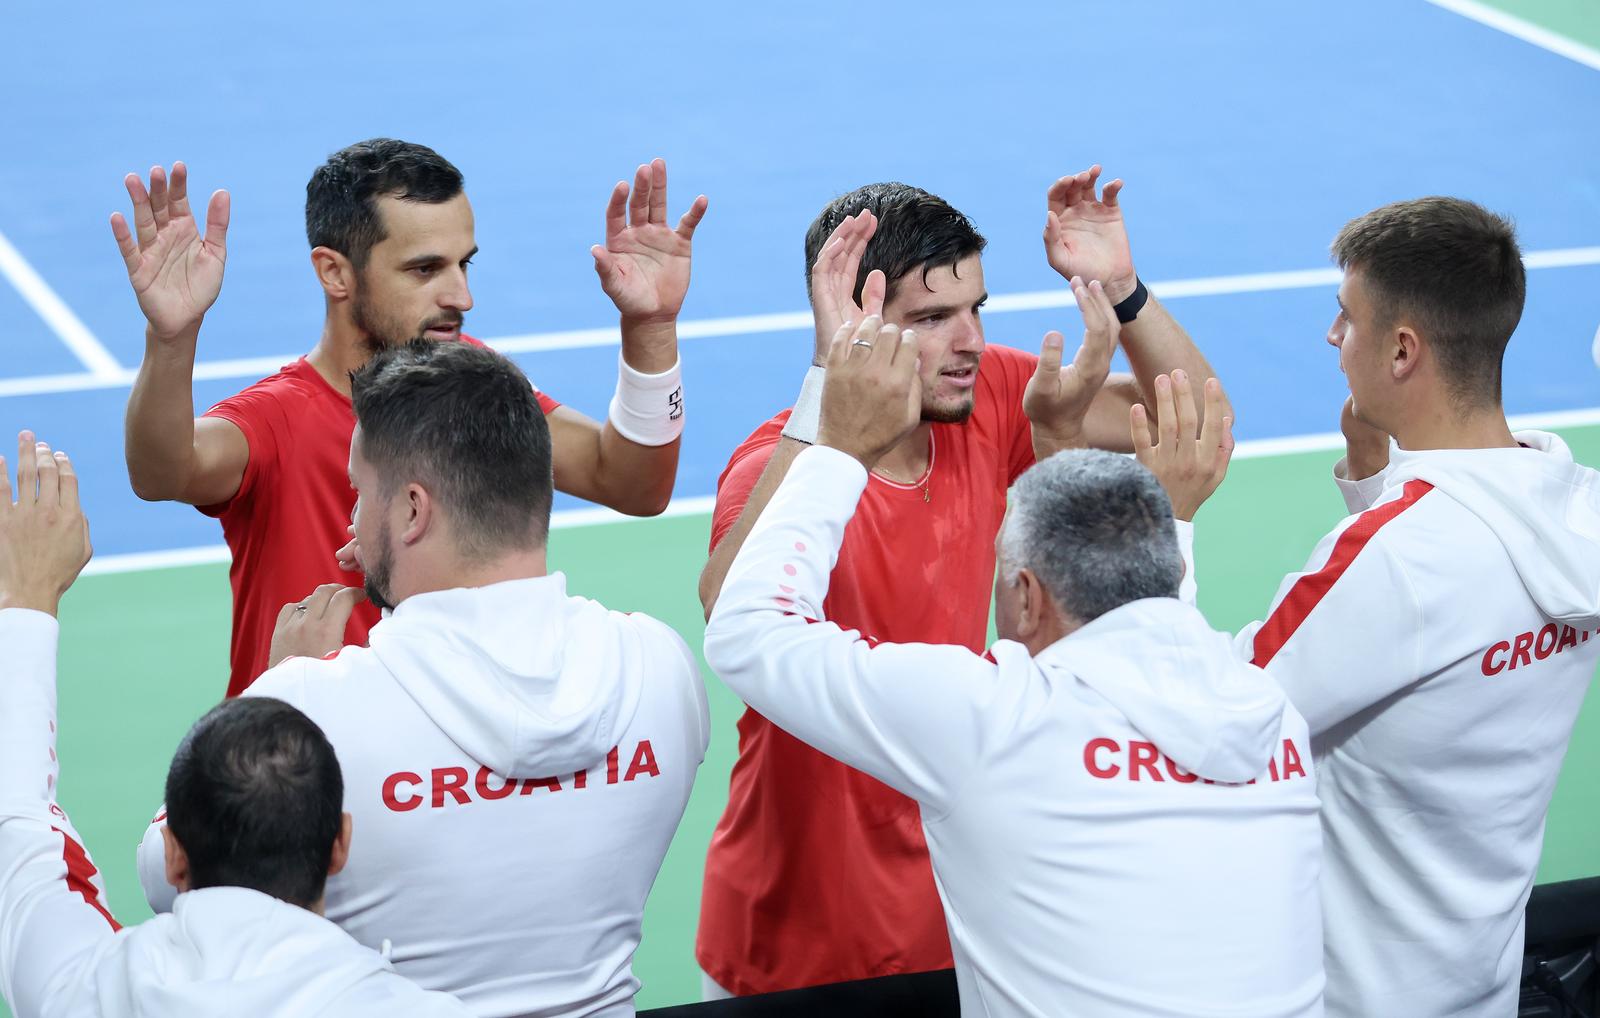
(177, 860)
(341, 845)
(419, 514)
(335, 272)
(1033, 597)
(1408, 349)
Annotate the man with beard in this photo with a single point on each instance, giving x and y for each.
(391, 234)
(818, 873)
(516, 760)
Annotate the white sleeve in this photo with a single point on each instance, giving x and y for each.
(907, 714)
(1189, 587)
(53, 914)
(151, 862)
(1359, 496)
(1342, 634)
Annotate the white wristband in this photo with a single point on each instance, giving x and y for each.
(648, 409)
(806, 417)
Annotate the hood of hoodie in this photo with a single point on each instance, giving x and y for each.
(1180, 683)
(230, 950)
(491, 667)
(1543, 507)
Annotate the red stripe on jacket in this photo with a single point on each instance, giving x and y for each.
(81, 873)
(1310, 589)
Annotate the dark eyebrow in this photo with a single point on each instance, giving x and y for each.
(940, 309)
(422, 261)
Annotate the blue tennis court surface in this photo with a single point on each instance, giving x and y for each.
(1247, 132)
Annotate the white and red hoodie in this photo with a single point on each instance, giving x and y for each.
(1439, 643)
(223, 951)
(1124, 825)
(516, 762)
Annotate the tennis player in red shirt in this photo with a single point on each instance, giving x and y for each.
(816, 872)
(391, 235)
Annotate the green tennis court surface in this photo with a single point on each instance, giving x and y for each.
(144, 654)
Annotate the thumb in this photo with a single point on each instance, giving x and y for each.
(218, 211)
(1050, 352)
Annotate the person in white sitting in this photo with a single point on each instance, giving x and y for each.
(517, 759)
(1121, 815)
(256, 828)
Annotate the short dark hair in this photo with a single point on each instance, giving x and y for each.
(256, 798)
(342, 195)
(464, 422)
(1454, 268)
(1096, 529)
(915, 230)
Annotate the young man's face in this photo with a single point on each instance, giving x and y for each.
(1363, 348)
(943, 311)
(374, 539)
(415, 280)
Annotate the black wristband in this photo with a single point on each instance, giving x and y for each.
(1129, 308)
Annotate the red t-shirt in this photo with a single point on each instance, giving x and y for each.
(289, 517)
(816, 872)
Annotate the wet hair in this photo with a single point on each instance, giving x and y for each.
(916, 231)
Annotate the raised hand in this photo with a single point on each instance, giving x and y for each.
(833, 281)
(1057, 398)
(175, 272)
(1189, 459)
(872, 395)
(644, 263)
(1085, 235)
(44, 537)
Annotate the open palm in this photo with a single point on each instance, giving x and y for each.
(644, 263)
(176, 273)
(1086, 236)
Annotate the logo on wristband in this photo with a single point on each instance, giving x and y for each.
(675, 400)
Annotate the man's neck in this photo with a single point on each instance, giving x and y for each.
(908, 461)
(343, 349)
(516, 565)
(1445, 428)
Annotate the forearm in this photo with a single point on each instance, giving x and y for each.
(1156, 344)
(716, 570)
(160, 422)
(44, 923)
(634, 479)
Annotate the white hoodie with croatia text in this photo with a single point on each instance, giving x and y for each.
(1124, 825)
(516, 762)
(1440, 643)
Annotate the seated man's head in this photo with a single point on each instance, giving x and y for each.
(255, 799)
(1432, 291)
(1086, 532)
(931, 256)
(391, 235)
(451, 465)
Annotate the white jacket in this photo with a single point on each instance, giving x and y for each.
(1123, 825)
(516, 762)
(224, 951)
(1439, 643)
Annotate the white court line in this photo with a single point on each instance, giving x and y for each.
(785, 321)
(701, 504)
(1527, 31)
(66, 325)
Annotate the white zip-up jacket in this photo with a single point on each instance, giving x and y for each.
(516, 762)
(224, 950)
(1125, 824)
(1440, 643)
